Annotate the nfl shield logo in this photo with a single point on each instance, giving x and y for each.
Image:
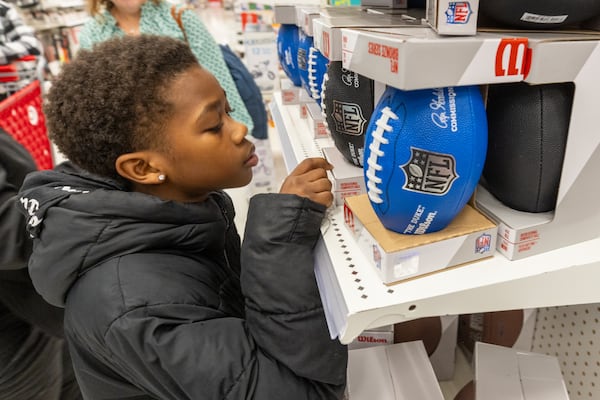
(429, 173)
(483, 243)
(348, 118)
(458, 12)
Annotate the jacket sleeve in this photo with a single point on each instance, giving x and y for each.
(208, 53)
(19, 38)
(282, 349)
(15, 163)
(284, 312)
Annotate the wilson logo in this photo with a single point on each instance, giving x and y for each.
(513, 57)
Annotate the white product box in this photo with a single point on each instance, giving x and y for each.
(303, 100)
(316, 121)
(396, 257)
(370, 338)
(347, 179)
(419, 58)
(396, 372)
(385, 3)
(327, 31)
(288, 14)
(305, 17)
(290, 94)
(448, 17)
(443, 358)
(560, 57)
(439, 335)
(504, 373)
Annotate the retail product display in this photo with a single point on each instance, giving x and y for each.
(535, 14)
(348, 101)
(317, 67)
(287, 50)
(528, 127)
(424, 153)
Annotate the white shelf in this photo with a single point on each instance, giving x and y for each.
(355, 298)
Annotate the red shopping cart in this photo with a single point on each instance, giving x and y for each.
(21, 112)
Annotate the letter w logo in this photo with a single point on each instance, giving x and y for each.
(510, 52)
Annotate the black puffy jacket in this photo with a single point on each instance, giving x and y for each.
(158, 303)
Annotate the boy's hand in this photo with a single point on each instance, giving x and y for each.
(309, 179)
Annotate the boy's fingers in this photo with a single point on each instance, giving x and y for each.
(310, 164)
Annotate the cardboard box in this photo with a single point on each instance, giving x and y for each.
(385, 3)
(316, 121)
(560, 57)
(396, 257)
(327, 30)
(347, 179)
(370, 338)
(419, 58)
(449, 17)
(305, 17)
(290, 94)
(503, 373)
(303, 100)
(287, 14)
(439, 336)
(395, 372)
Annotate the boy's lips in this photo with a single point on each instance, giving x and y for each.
(252, 159)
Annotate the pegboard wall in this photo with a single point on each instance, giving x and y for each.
(570, 333)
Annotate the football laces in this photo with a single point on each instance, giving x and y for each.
(312, 72)
(373, 167)
(323, 106)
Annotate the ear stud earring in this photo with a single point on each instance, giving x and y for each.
(161, 177)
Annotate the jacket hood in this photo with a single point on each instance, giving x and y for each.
(78, 220)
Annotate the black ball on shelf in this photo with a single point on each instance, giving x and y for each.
(527, 127)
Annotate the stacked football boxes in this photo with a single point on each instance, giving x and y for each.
(419, 58)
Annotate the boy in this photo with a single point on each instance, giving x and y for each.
(136, 238)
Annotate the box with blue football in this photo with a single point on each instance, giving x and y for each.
(397, 257)
(419, 58)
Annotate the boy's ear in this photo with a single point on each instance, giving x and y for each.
(138, 167)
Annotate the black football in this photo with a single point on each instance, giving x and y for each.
(347, 104)
(539, 14)
(527, 127)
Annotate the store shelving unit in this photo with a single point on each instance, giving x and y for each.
(355, 298)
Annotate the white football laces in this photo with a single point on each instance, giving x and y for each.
(312, 74)
(323, 106)
(373, 167)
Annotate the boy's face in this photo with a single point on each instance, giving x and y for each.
(207, 149)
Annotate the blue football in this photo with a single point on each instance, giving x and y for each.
(317, 67)
(287, 51)
(305, 42)
(424, 154)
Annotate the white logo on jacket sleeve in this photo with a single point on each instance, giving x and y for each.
(31, 206)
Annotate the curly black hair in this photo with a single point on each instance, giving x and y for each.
(112, 99)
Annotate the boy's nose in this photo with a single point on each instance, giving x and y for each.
(240, 131)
